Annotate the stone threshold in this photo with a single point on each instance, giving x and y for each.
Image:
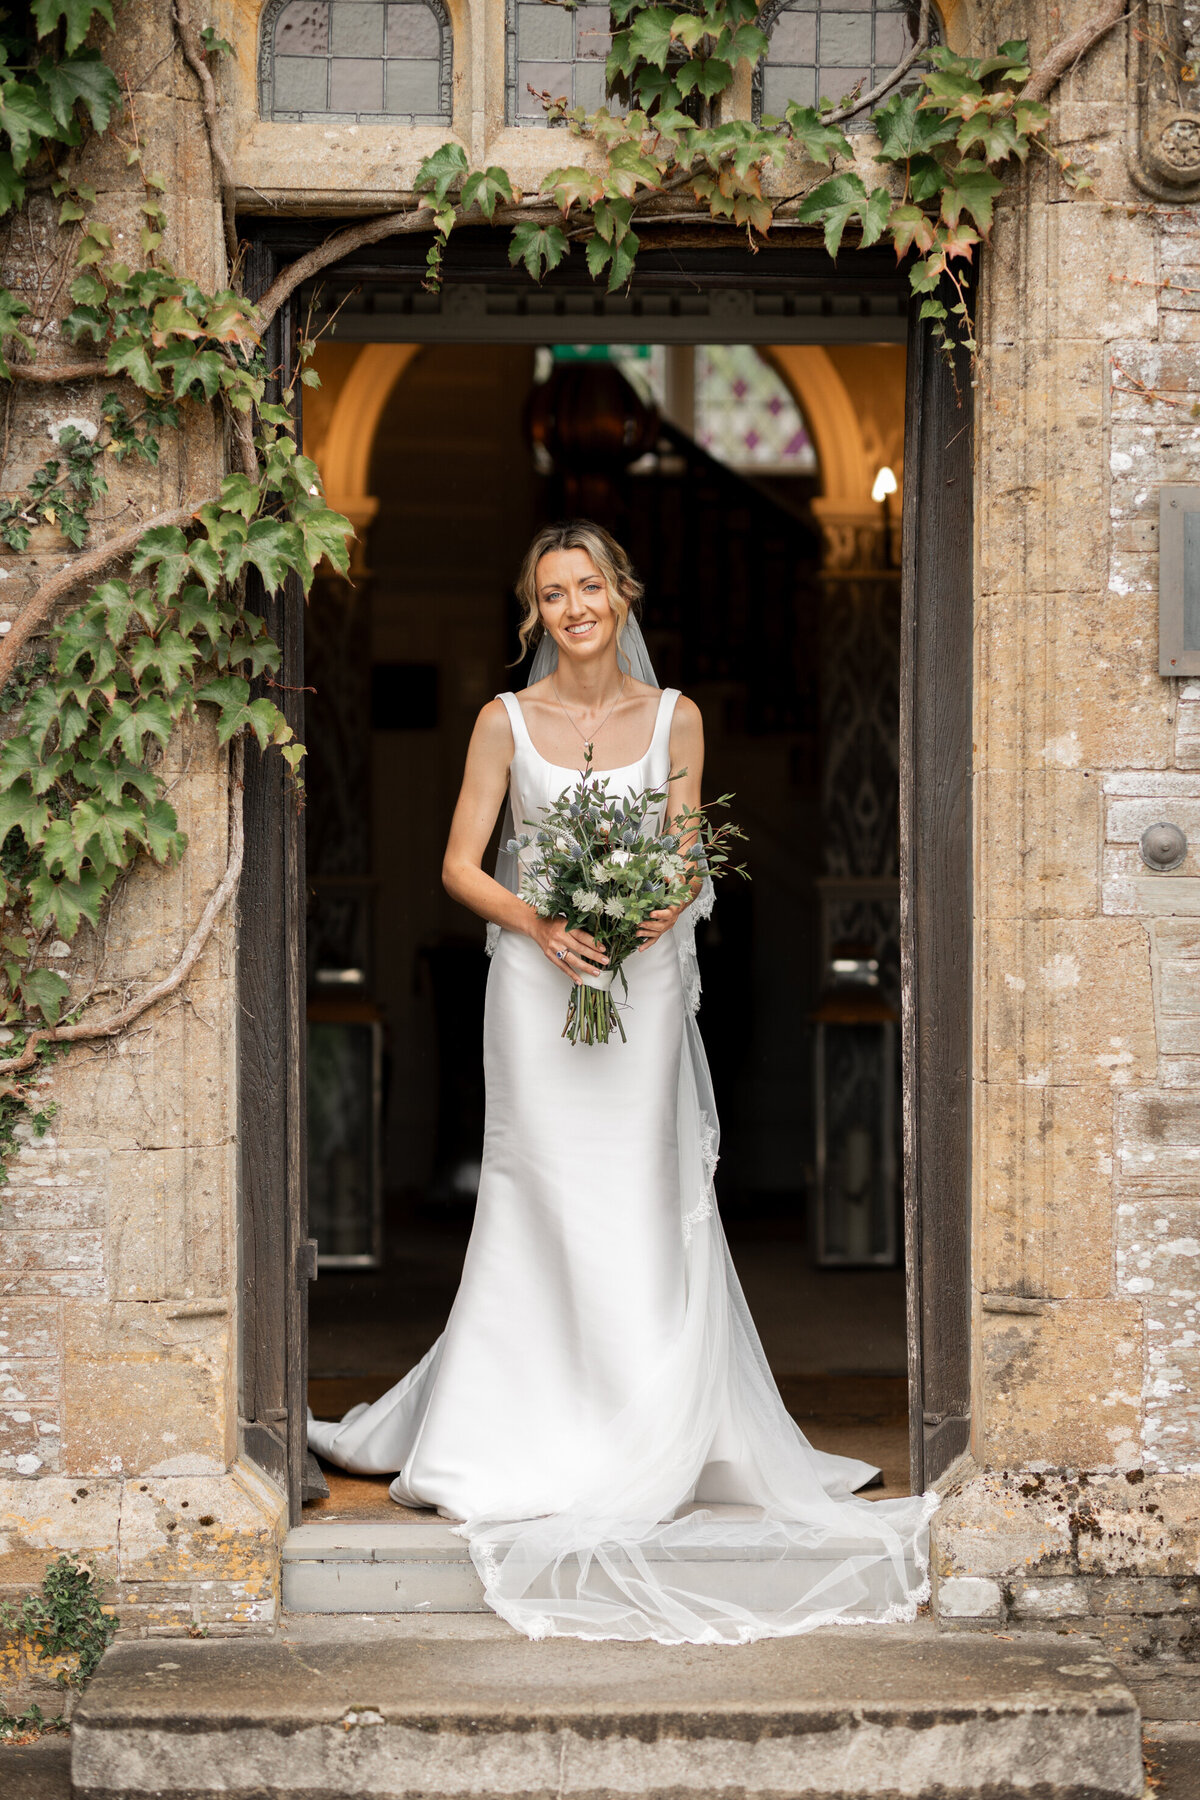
(397, 1708)
(420, 1565)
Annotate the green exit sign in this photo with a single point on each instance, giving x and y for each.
(601, 352)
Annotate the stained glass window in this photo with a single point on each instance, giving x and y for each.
(367, 61)
(745, 414)
(557, 50)
(825, 49)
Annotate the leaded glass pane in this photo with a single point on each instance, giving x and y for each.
(557, 50)
(826, 49)
(369, 61)
(745, 414)
(357, 28)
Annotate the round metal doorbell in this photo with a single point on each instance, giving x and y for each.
(1163, 847)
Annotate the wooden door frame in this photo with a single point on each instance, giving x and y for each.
(935, 880)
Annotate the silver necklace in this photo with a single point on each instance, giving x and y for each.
(588, 742)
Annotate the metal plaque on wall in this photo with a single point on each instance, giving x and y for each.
(1179, 578)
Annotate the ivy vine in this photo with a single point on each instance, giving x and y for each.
(92, 697)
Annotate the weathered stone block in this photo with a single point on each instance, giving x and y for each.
(1068, 1002)
(41, 1519)
(218, 1528)
(1038, 842)
(29, 1439)
(1047, 1226)
(167, 1087)
(144, 1394)
(1158, 1143)
(1148, 1527)
(1003, 1526)
(30, 1351)
(1063, 1387)
(51, 1262)
(968, 1597)
(1158, 1261)
(1063, 1599)
(169, 1223)
(1151, 1594)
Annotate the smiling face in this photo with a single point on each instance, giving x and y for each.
(574, 605)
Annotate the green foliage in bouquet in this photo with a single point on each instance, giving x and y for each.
(602, 865)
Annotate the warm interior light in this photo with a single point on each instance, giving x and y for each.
(885, 483)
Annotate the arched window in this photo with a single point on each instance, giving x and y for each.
(369, 62)
(746, 415)
(824, 49)
(557, 50)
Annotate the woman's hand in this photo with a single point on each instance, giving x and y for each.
(655, 924)
(574, 952)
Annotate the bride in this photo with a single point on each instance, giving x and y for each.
(598, 1412)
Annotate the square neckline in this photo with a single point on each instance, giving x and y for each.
(618, 769)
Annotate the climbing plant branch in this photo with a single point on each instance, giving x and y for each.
(193, 52)
(222, 895)
(74, 573)
(1064, 55)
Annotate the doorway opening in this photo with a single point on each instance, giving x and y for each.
(749, 428)
(701, 462)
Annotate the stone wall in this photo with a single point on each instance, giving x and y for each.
(118, 1230)
(1080, 1502)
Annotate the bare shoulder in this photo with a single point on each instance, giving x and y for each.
(687, 718)
(493, 731)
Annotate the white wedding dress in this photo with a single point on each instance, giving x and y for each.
(599, 1411)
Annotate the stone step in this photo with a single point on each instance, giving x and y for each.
(408, 1565)
(379, 1566)
(396, 1708)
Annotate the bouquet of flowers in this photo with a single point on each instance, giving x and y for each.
(600, 866)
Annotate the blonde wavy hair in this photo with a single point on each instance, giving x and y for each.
(624, 588)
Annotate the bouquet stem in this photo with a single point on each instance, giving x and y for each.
(591, 1014)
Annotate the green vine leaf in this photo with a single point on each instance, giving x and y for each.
(129, 726)
(573, 187)
(66, 902)
(539, 247)
(905, 131)
(996, 138)
(650, 35)
(130, 355)
(486, 188)
(25, 120)
(834, 203)
(166, 547)
(159, 832)
(78, 15)
(275, 547)
(170, 656)
(12, 309)
(12, 188)
(20, 761)
(972, 188)
(82, 78)
(22, 810)
(94, 769)
(326, 534)
(446, 168)
(44, 990)
(819, 142)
